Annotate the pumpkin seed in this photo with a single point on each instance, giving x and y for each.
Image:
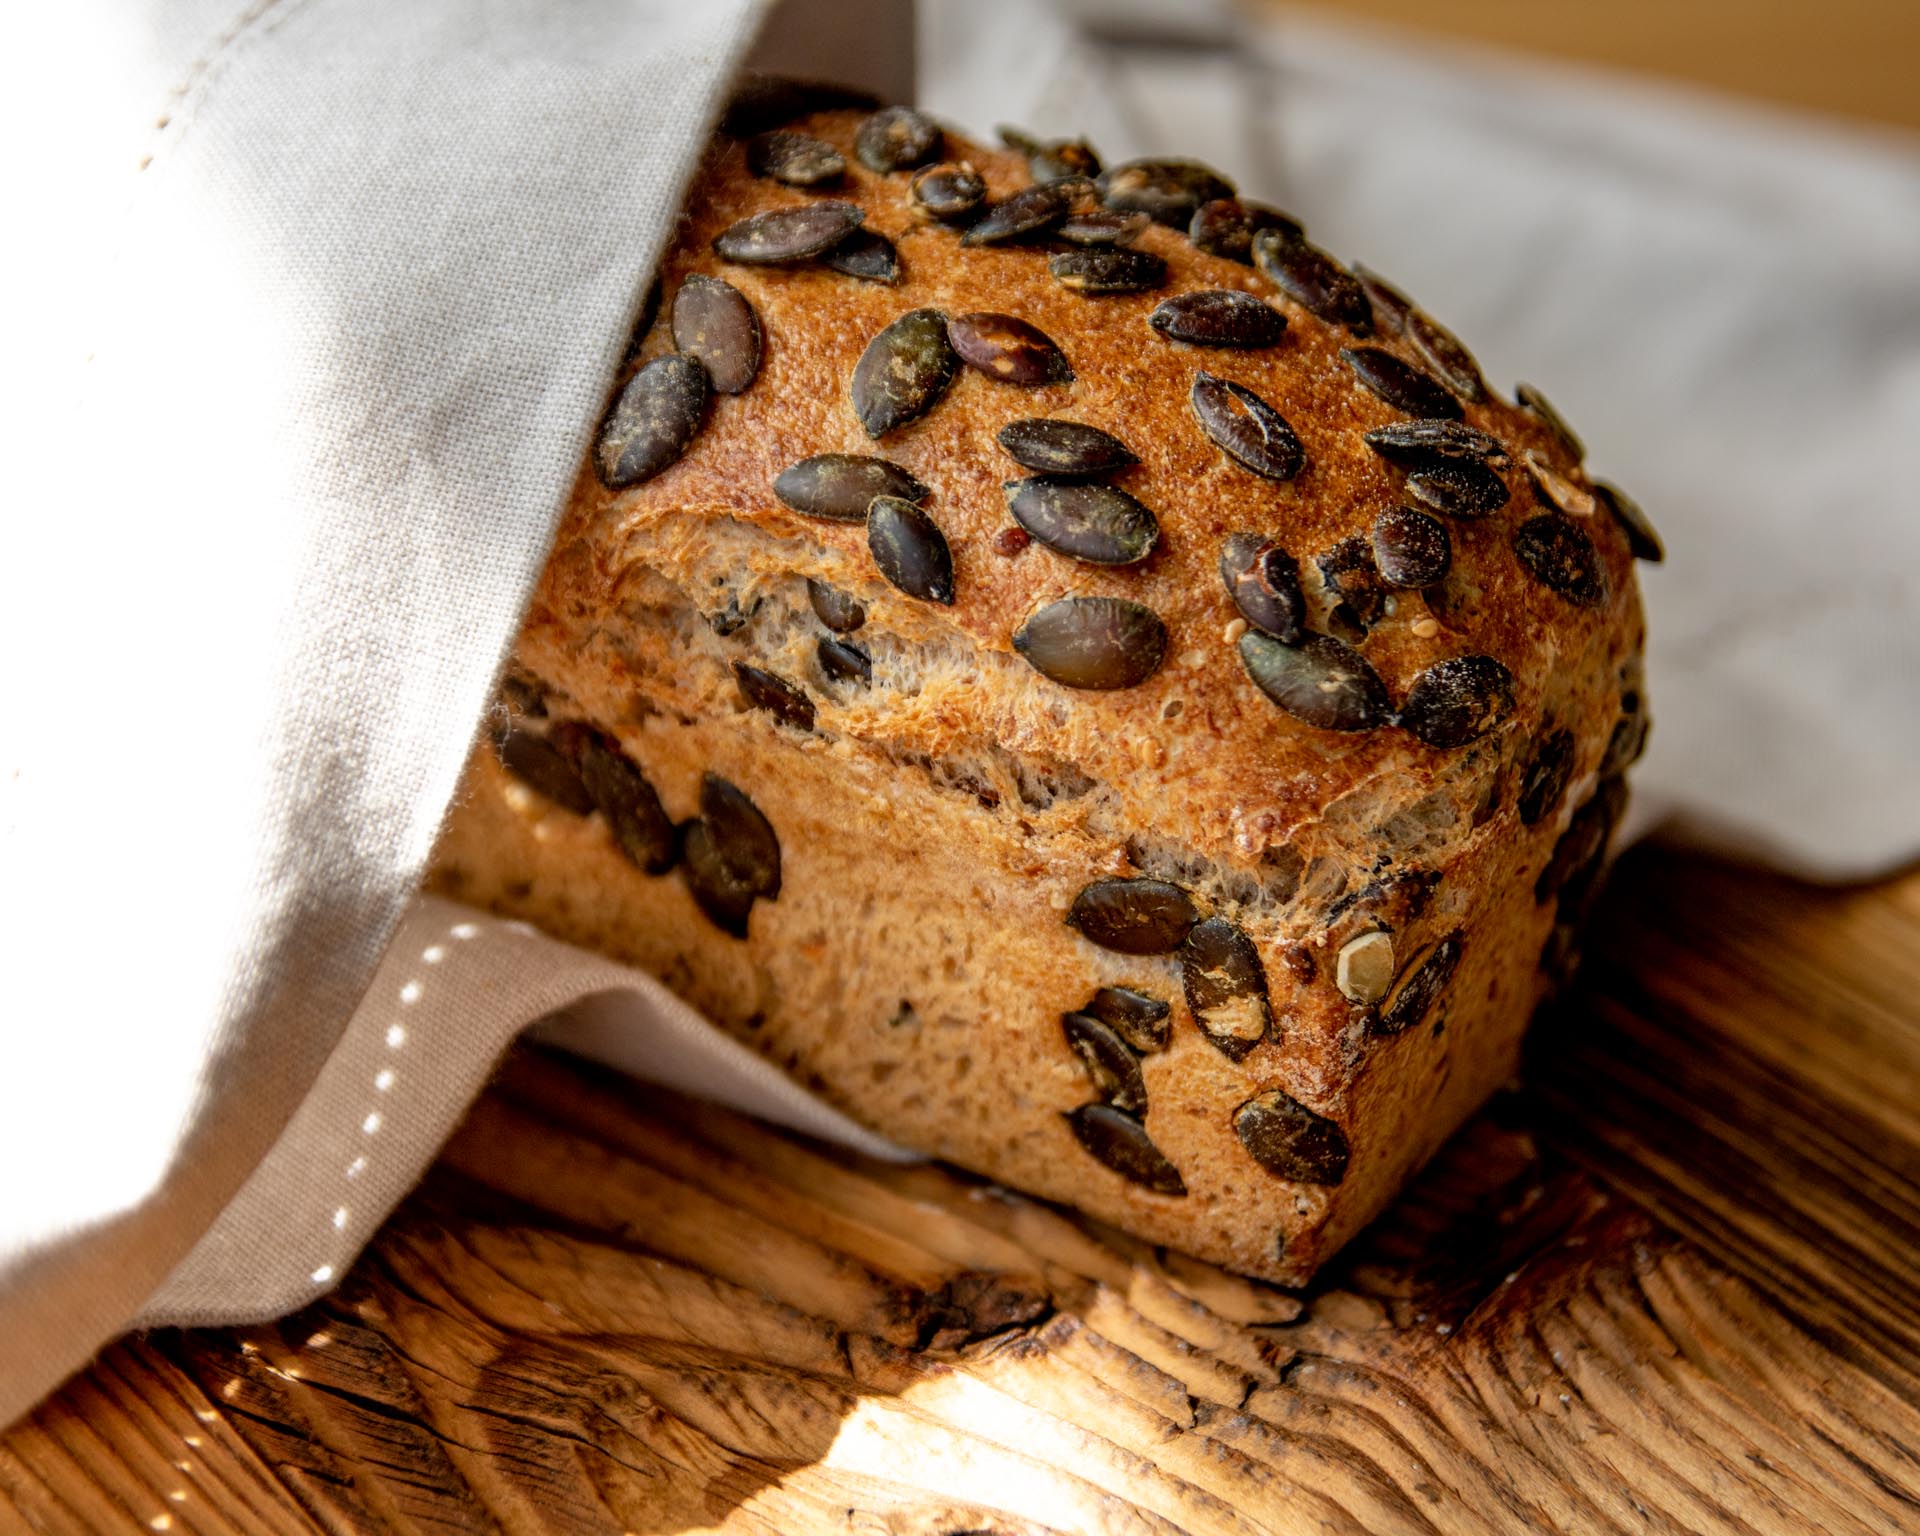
(1555, 489)
(1642, 538)
(785, 701)
(1166, 191)
(1465, 489)
(1559, 555)
(1390, 306)
(542, 767)
(1363, 971)
(1400, 384)
(731, 856)
(1578, 856)
(896, 139)
(1219, 317)
(1541, 409)
(1062, 159)
(1094, 642)
(1142, 1021)
(1008, 349)
(1290, 1140)
(652, 422)
(839, 612)
(1113, 1070)
(1108, 269)
(621, 793)
(1060, 447)
(1441, 351)
(903, 371)
(1319, 680)
(788, 234)
(1417, 994)
(1030, 211)
(714, 891)
(1264, 582)
(1422, 444)
(1313, 280)
(1133, 916)
(1347, 571)
(1100, 524)
(949, 192)
(1226, 987)
(910, 550)
(1226, 227)
(762, 101)
(845, 663)
(1122, 1143)
(841, 486)
(1458, 700)
(1102, 226)
(866, 254)
(797, 159)
(713, 321)
(1246, 428)
(1544, 779)
(1410, 549)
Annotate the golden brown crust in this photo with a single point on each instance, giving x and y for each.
(899, 887)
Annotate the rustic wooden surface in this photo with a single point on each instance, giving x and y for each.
(1672, 1284)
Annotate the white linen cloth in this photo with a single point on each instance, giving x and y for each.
(349, 333)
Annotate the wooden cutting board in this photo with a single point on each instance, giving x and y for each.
(1670, 1284)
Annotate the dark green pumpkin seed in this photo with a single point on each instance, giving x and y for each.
(1122, 1143)
(713, 321)
(1064, 447)
(1133, 917)
(1544, 779)
(1219, 317)
(1319, 680)
(1441, 351)
(1423, 986)
(1290, 1140)
(1458, 700)
(839, 612)
(1264, 582)
(1559, 555)
(542, 767)
(1465, 489)
(1111, 1067)
(1642, 538)
(1094, 642)
(1226, 987)
(949, 192)
(1103, 226)
(1313, 280)
(1007, 349)
(896, 139)
(788, 234)
(1540, 408)
(1086, 520)
(903, 371)
(1063, 159)
(1030, 211)
(1246, 428)
(652, 422)
(866, 254)
(1143, 1022)
(760, 102)
(1577, 858)
(786, 702)
(909, 550)
(797, 159)
(726, 904)
(1410, 549)
(1391, 307)
(1226, 226)
(1166, 191)
(742, 836)
(1400, 384)
(1108, 269)
(1422, 444)
(621, 793)
(841, 486)
(1347, 571)
(845, 663)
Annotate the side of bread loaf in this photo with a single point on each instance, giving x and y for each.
(1180, 819)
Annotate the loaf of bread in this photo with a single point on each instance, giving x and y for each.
(1095, 688)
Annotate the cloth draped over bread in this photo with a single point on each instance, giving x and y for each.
(328, 297)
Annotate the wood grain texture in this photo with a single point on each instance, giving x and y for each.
(1669, 1285)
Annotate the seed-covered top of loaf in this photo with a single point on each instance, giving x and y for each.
(1223, 522)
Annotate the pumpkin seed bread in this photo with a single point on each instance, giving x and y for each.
(1091, 685)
